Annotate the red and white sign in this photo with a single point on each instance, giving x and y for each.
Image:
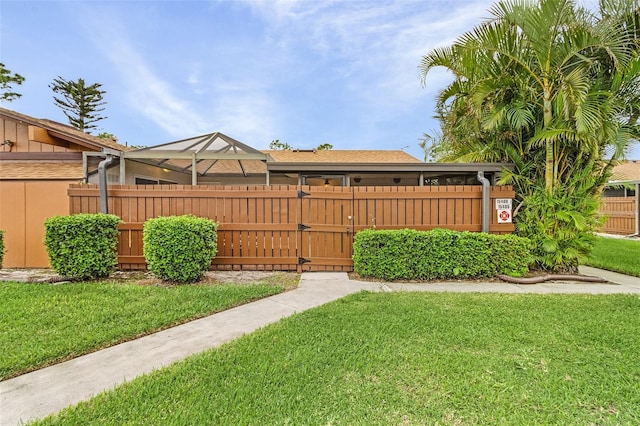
(504, 216)
(503, 207)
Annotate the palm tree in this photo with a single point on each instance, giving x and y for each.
(529, 71)
(553, 89)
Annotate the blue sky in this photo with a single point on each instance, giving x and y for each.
(304, 72)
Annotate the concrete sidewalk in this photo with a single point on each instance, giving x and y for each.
(47, 391)
(618, 283)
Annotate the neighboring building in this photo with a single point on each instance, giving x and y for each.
(38, 160)
(621, 202)
(624, 179)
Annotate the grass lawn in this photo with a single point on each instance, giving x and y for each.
(43, 324)
(404, 358)
(615, 254)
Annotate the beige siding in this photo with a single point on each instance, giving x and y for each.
(24, 206)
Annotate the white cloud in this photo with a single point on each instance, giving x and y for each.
(152, 96)
(146, 92)
(378, 44)
(213, 94)
(194, 78)
(368, 52)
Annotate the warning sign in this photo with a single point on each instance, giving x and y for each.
(504, 216)
(503, 206)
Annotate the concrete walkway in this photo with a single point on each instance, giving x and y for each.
(47, 391)
(618, 283)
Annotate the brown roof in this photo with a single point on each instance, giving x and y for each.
(65, 131)
(627, 170)
(29, 170)
(324, 156)
(342, 156)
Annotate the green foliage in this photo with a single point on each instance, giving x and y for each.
(179, 248)
(82, 246)
(107, 135)
(561, 223)
(432, 145)
(555, 90)
(79, 102)
(439, 254)
(324, 147)
(7, 79)
(1, 247)
(279, 146)
(559, 227)
(283, 146)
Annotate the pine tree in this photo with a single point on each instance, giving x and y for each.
(6, 80)
(79, 102)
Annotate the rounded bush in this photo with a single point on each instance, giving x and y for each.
(179, 248)
(82, 246)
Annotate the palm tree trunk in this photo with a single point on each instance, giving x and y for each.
(549, 145)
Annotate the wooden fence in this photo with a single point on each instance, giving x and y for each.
(300, 228)
(621, 215)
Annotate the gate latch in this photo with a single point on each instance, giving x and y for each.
(302, 227)
(302, 261)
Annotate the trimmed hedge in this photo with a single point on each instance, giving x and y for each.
(82, 246)
(1, 247)
(179, 248)
(408, 254)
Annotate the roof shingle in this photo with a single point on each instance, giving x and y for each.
(627, 170)
(342, 156)
(19, 170)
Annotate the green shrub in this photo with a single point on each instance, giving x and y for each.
(179, 248)
(511, 254)
(438, 254)
(82, 246)
(561, 226)
(1, 247)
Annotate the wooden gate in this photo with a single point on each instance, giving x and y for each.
(290, 228)
(326, 229)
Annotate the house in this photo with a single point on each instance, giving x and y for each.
(216, 158)
(621, 200)
(38, 160)
(624, 179)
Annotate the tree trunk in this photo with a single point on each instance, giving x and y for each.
(549, 145)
